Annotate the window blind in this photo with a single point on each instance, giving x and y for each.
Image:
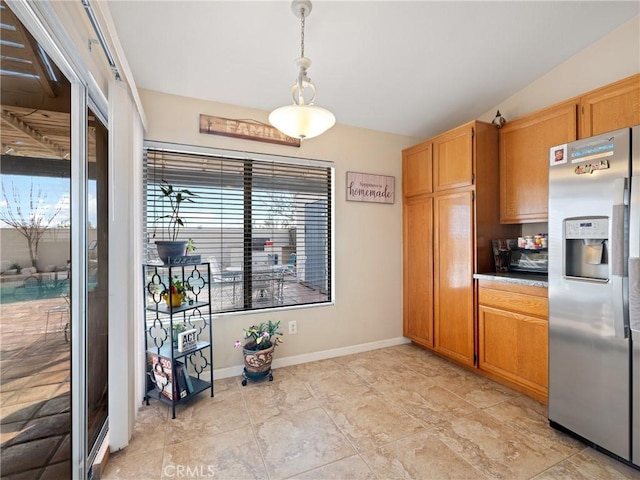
(263, 223)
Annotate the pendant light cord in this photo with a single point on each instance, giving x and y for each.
(302, 33)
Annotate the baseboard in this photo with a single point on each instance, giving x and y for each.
(314, 356)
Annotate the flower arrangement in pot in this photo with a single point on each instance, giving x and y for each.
(261, 341)
(175, 197)
(176, 294)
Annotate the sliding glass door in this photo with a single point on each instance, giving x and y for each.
(54, 261)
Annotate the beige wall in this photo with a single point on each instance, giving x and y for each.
(368, 236)
(614, 57)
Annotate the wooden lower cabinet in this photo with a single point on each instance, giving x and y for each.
(513, 336)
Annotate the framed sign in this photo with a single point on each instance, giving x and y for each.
(365, 187)
(247, 129)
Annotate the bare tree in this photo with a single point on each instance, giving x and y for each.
(278, 210)
(33, 225)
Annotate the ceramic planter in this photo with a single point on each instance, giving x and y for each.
(174, 301)
(170, 249)
(258, 362)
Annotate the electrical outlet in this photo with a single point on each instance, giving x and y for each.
(293, 327)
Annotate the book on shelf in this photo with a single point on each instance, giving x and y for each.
(181, 382)
(187, 378)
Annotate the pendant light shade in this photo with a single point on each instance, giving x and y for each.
(302, 119)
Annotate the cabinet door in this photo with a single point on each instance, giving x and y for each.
(418, 270)
(514, 346)
(610, 108)
(524, 161)
(453, 159)
(453, 275)
(417, 167)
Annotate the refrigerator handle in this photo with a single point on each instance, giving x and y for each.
(618, 217)
(617, 240)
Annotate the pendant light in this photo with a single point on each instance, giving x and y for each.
(303, 119)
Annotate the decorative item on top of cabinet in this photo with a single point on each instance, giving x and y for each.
(499, 120)
(524, 161)
(417, 164)
(611, 107)
(513, 336)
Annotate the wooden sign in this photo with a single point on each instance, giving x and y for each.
(364, 187)
(247, 129)
(185, 260)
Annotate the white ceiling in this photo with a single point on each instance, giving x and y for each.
(413, 68)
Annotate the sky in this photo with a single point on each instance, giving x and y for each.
(56, 194)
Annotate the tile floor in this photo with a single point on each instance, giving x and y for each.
(398, 412)
(35, 418)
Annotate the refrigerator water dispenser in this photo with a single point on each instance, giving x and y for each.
(586, 241)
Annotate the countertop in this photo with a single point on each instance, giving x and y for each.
(531, 279)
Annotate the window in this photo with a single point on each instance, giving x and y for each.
(262, 222)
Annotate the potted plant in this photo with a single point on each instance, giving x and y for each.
(176, 197)
(176, 294)
(178, 328)
(258, 350)
(191, 246)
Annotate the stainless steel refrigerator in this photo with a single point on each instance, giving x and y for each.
(594, 291)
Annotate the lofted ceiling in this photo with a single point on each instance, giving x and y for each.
(414, 68)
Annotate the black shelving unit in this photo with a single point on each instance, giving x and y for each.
(164, 361)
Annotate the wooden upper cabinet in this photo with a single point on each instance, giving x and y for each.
(453, 159)
(524, 161)
(417, 164)
(609, 108)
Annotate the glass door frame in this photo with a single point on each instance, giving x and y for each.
(43, 23)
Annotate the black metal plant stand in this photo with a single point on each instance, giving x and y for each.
(174, 376)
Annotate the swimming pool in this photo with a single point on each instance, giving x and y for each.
(31, 288)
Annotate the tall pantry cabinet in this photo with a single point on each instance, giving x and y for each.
(450, 216)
